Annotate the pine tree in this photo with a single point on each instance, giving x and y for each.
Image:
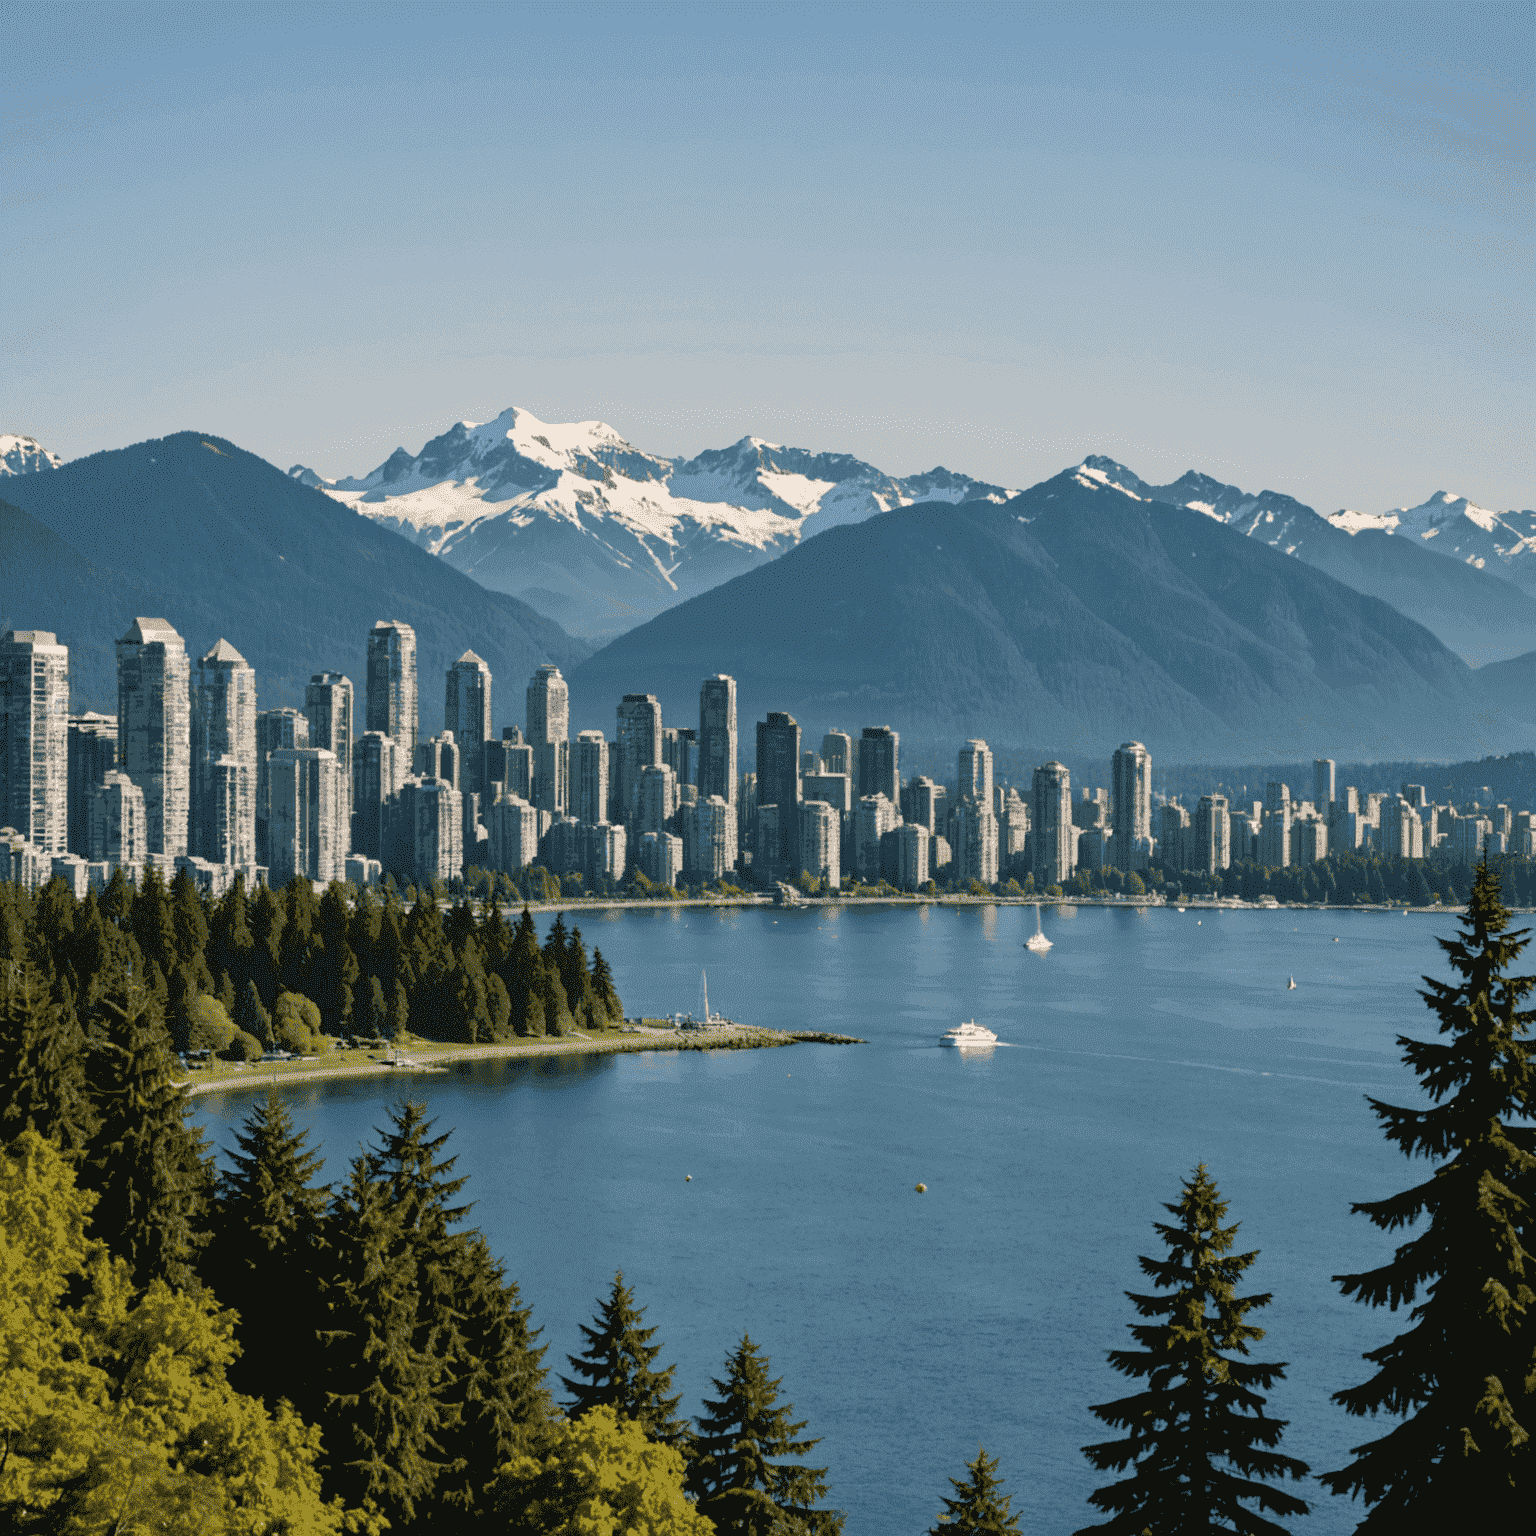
(1462, 1378)
(42, 1062)
(615, 1370)
(1197, 1436)
(979, 1508)
(603, 988)
(521, 975)
(144, 1164)
(252, 1019)
(262, 1257)
(732, 1477)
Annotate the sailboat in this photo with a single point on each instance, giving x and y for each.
(1037, 941)
(704, 982)
(1290, 986)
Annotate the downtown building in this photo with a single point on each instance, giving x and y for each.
(717, 746)
(276, 729)
(304, 830)
(34, 739)
(1130, 801)
(154, 729)
(92, 756)
(1053, 837)
(392, 699)
(222, 826)
(549, 731)
(328, 709)
(467, 716)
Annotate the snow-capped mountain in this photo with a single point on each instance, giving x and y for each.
(1448, 524)
(600, 535)
(24, 455)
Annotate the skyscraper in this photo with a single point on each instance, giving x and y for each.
(591, 778)
(639, 739)
(34, 738)
(549, 730)
(1211, 835)
(873, 818)
(509, 763)
(467, 713)
(92, 755)
(837, 753)
(1053, 835)
(429, 828)
(1322, 785)
(392, 682)
(655, 798)
(304, 832)
(222, 825)
(714, 846)
(975, 772)
(975, 826)
(778, 784)
(115, 828)
(879, 770)
(377, 774)
(821, 841)
(154, 733)
(717, 738)
(275, 729)
(1131, 806)
(438, 757)
(329, 708)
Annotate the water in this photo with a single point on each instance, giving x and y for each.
(907, 1328)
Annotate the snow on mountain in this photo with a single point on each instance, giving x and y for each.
(598, 534)
(24, 455)
(1451, 525)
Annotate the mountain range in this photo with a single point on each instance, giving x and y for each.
(24, 455)
(222, 544)
(1077, 613)
(594, 532)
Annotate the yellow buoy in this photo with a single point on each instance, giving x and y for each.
(922, 1189)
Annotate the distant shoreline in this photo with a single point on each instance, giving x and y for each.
(953, 899)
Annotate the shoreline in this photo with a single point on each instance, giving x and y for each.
(430, 1058)
(954, 899)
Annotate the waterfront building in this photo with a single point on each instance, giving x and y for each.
(975, 840)
(914, 850)
(1091, 809)
(835, 788)
(680, 752)
(1401, 831)
(656, 798)
(975, 773)
(1275, 834)
(590, 778)
(768, 862)
(513, 825)
(875, 816)
(1131, 805)
(661, 858)
(1093, 848)
(563, 847)
(606, 851)
(713, 852)
(1053, 839)
(276, 729)
(778, 783)
(1323, 785)
(1013, 835)
(549, 730)
(821, 831)
(1309, 839)
(438, 758)
(509, 766)
(92, 755)
(922, 801)
(746, 810)
(117, 827)
(879, 765)
(392, 702)
(34, 738)
(467, 716)
(1172, 835)
(377, 774)
(837, 753)
(718, 768)
(305, 828)
(222, 826)
(329, 709)
(154, 730)
(639, 739)
(427, 829)
(1211, 836)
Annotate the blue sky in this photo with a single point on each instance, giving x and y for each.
(1286, 244)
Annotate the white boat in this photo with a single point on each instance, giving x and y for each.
(1037, 941)
(968, 1034)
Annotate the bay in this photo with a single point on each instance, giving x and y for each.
(907, 1328)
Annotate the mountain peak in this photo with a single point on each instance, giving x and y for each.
(25, 455)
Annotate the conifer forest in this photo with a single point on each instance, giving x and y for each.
(197, 1347)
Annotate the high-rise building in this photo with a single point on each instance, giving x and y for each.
(606, 853)
(655, 798)
(549, 731)
(329, 708)
(1322, 785)
(222, 822)
(922, 802)
(879, 768)
(1309, 837)
(680, 752)
(304, 831)
(428, 830)
(975, 772)
(661, 857)
(1402, 831)
(1211, 836)
(1173, 835)
(392, 703)
(590, 778)
(639, 739)
(1052, 836)
(875, 816)
(975, 834)
(1275, 834)
(1130, 800)
(92, 755)
(117, 832)
(276, 729)
(778, 783)
(835, 788)
(714, 840)
(467, 713)
(513, 825)
(914, 850)
(377, 774)
(821, 833)
(438, 758)
(154, 731)
(34, 738)
(1012, 835)
(509, 763)
(837, 753)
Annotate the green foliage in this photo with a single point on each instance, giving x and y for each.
(599, 1476)
(615, 1370)
(42, 1060)
(1196, 1436)
(241, 1047)
(979, 1508)
(732, 1475)
(296, 1025)
(252, 1019)
(1462, 1378)
(210, 1028)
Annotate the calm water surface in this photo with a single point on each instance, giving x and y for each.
(907, 1328)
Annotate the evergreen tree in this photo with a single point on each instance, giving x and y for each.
(615, 1370)
(146, 1167)
(1197, 1435)
(604, 990)
(374, 1019)
(732, 1477)
(1462, 1378)
(153, 928)
(265, 914)
(521, 974)
(979, 1508)
(189, 922)
(263, 1254)
(252, 1019)
(42, 1062)
(399, 1013)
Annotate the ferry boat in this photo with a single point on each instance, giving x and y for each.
(968, 1034)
